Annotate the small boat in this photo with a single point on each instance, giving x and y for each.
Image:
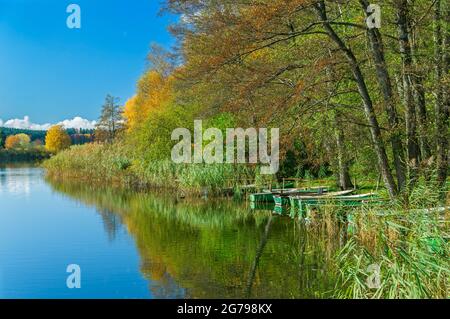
(286, 198)
(262, 206)
(271, 196)
(357, 197)
(291, 191)
(261, 197)
(326, 195)
(306, 202)
(281, 200)
(279, 210)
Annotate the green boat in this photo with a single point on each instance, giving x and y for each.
(269, 196)
(281, 200)
(305, 204)
(262, 198)
(262, 206)
(279, 210)
(296, 199)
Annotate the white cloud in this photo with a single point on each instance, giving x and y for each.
(78, 122)
(25, 123)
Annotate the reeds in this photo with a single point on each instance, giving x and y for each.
(116, 163)
(410, 247)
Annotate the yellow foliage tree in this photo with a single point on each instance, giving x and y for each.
(131, 112)
(57, 139)
(11, 142)
(153, 91)
(17, 141)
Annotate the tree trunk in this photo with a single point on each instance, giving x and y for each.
(367, 102)
(341, 162)
(345, 181)
(441, 105)
(384, 80)
(421, 111)
(418, 78)
(407, 71)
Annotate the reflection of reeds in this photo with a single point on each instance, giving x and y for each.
(407, 238)
(210, 247)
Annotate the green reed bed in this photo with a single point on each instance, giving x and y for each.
(408, 239)
(104, 162)
(411, 251)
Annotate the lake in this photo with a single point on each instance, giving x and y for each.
(140, 245)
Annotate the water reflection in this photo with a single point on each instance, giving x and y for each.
(17, 180)
(215, 249)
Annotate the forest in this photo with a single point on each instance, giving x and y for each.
(350, 100)
(25, 145)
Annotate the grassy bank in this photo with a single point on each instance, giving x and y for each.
(116, 164)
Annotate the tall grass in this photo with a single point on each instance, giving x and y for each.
(413, 260)
(408, 239)
(117, 163)
(90, 161)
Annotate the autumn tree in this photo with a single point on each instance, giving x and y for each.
(57, 139)
(277, 53)
(153, 90)
(11, 142)
(18, 141)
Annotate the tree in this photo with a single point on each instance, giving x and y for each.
(2, 142)
(153, 90)
(384, 81)
(441, 57)
(18, 141)
(11, 142)
(57, 139)
(111, 120)
(276, 52)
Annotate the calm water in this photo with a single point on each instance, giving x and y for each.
(134, 245)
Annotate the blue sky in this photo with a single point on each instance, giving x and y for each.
(51, 73)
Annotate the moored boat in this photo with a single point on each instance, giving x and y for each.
(281, 196)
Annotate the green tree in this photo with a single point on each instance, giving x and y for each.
(2, 141)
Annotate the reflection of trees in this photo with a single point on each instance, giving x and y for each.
(166, 288)
(259, 252)
(2, 176)
(215, 249)
(111, 222)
